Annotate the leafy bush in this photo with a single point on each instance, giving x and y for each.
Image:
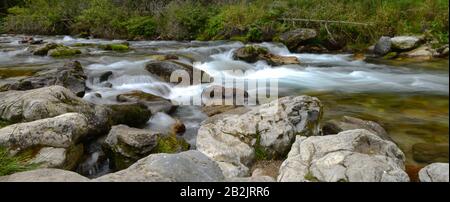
(141, 26)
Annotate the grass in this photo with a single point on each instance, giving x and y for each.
(13, 164)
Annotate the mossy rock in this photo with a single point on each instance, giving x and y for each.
(250, 53)
(170, 144)
(115, 47)
(4, 123)
(63, 51)
(133, 115)
(164, 57)
(83, 45)
(390, 55)
(310, 177)
(10, 73)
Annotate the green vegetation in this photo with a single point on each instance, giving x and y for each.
(170, 144)
(64, 52)
(243, 20)
(310, 177)
(115, 47)
(11, 164)
(4, 123)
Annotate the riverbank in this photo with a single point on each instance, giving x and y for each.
(339, 25)
(125, 91)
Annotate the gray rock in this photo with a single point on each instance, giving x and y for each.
(251, 179)
(405, 43)
(154, 103)
(350, 123)
(167, 69)
(436, 172)
(44, 49)
(130, 144)
(383, 46)
(294, 38)
(267, 131)
(350, 156)
(47, 102)
(190, 166)
(71, 76)
(62, 132)
(424, 52)
(45, 175)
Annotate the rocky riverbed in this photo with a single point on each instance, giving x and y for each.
(100, 110)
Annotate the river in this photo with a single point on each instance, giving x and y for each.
(409, 99)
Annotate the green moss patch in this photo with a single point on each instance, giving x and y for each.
(310, 177)
(170, 144)
(10, 73)
(115, 47)
(64, 52)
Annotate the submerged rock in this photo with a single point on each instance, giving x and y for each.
(383, 46)
(130, 144)
(430, 153)
(71, 76)
(134, 114)
(350, 156)
(436, 172)
(294, 38)
(252, 54)
(154, 103)
(350, 123)
(166, 69)
(45, 175)
(235, 141)
(190, 166)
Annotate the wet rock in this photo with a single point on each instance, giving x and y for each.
(154, 103)
(164, 57)
(165, 69)
(105, 76)
(430, 153)
(350, 123)
(222, 95)
(45, 175)
(71, 76)
(30, 40)
(130, 144)
(115, 46)
(190, 166)
(311, 48)
(405, 43)
(443, 51)
(436, 172)
(253, 54)
(63, 51)
(350, 156)
(383, 46)
(294, 38)
(47, 102)
(134, 115)
(264, 132)
(44, 49)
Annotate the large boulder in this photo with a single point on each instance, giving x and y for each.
(44, 49)
(383, 46)
(166, 69)
(294, 38)
(130, 144)
(190, 166)
(436, 172)
(47, 102)
(235, 141)
(56, 139)
(333, 127)
(405, 43)
(421, 53)
(131, 114)
(253, 54)
(45, 175)
(71, 76)
(350, 156)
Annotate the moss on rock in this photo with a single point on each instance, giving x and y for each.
(170, 144)
(115, 47)
(10, 72)
(63, 51)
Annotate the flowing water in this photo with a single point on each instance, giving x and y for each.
(409, 99)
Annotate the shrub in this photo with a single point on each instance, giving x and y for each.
(141, 26)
